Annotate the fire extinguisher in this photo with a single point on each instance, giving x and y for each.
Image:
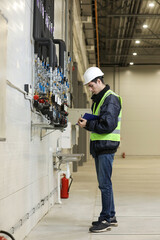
(5, 233)
(65, 186)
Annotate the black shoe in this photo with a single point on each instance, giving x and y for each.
(112, 223)
(96, 223)
(101, 227)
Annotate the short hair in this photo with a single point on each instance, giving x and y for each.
(95, 80)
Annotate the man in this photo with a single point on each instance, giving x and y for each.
(104, 141)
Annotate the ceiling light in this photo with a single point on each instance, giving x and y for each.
(151, 4)
(134, 54)
(131, 63)
(137, 41)
(145, 26)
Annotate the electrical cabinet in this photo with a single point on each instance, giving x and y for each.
(51, 86)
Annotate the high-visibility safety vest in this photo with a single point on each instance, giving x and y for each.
(113, 136)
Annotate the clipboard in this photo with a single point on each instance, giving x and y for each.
(89, 117)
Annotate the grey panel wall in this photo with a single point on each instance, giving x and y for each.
(75, 84)
(139, 87)
(79, 101)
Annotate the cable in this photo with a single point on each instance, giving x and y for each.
(26, 96)
(13, 86)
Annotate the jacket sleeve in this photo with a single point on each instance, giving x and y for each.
(108, 118)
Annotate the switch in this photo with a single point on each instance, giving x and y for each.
(28, 88)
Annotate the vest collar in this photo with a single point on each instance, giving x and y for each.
(97, 97)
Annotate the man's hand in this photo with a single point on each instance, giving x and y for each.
(82, 122)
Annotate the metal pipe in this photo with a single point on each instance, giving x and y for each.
(66, 24)
(71, 43)
(157, 1)
(46, 42)
(123, 55)
(131, 15)
(37, 35)
(62, 49)
(156, 35)
(134, 8)
(120, 65)
(122, 38)
(96, 18)
(132, 38)
(118, 47)
(66, 34)
(139, 47)
(62, 19)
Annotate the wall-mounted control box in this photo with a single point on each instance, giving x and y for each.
(28, 88)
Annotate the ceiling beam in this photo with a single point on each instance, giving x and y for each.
(140, 15)
(133, 38)
(140, 47)
(129, 38)
(130, 55)
(120, 65)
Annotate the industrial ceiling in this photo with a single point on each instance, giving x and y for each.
(122, 32)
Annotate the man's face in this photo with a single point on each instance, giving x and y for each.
(93, 87)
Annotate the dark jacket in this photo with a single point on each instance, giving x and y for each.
(107, 122)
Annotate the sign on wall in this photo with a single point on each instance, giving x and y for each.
(3, 62)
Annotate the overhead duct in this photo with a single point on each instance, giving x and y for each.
(62, 50)
(38, 35)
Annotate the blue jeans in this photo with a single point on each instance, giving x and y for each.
(104, 164)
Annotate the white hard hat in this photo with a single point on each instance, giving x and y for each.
(92, 73)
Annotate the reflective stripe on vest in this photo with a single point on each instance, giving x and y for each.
(115, 135)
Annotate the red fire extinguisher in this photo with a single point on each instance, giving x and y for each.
(65, 186)
(2, 238)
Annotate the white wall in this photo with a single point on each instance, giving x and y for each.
(79, 47)
(59, 15)
(3, 60)
(26, 172)
(59, 23)
(139, 87)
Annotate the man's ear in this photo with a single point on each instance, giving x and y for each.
(98, 80)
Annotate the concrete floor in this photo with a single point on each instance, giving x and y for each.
(136, 182)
